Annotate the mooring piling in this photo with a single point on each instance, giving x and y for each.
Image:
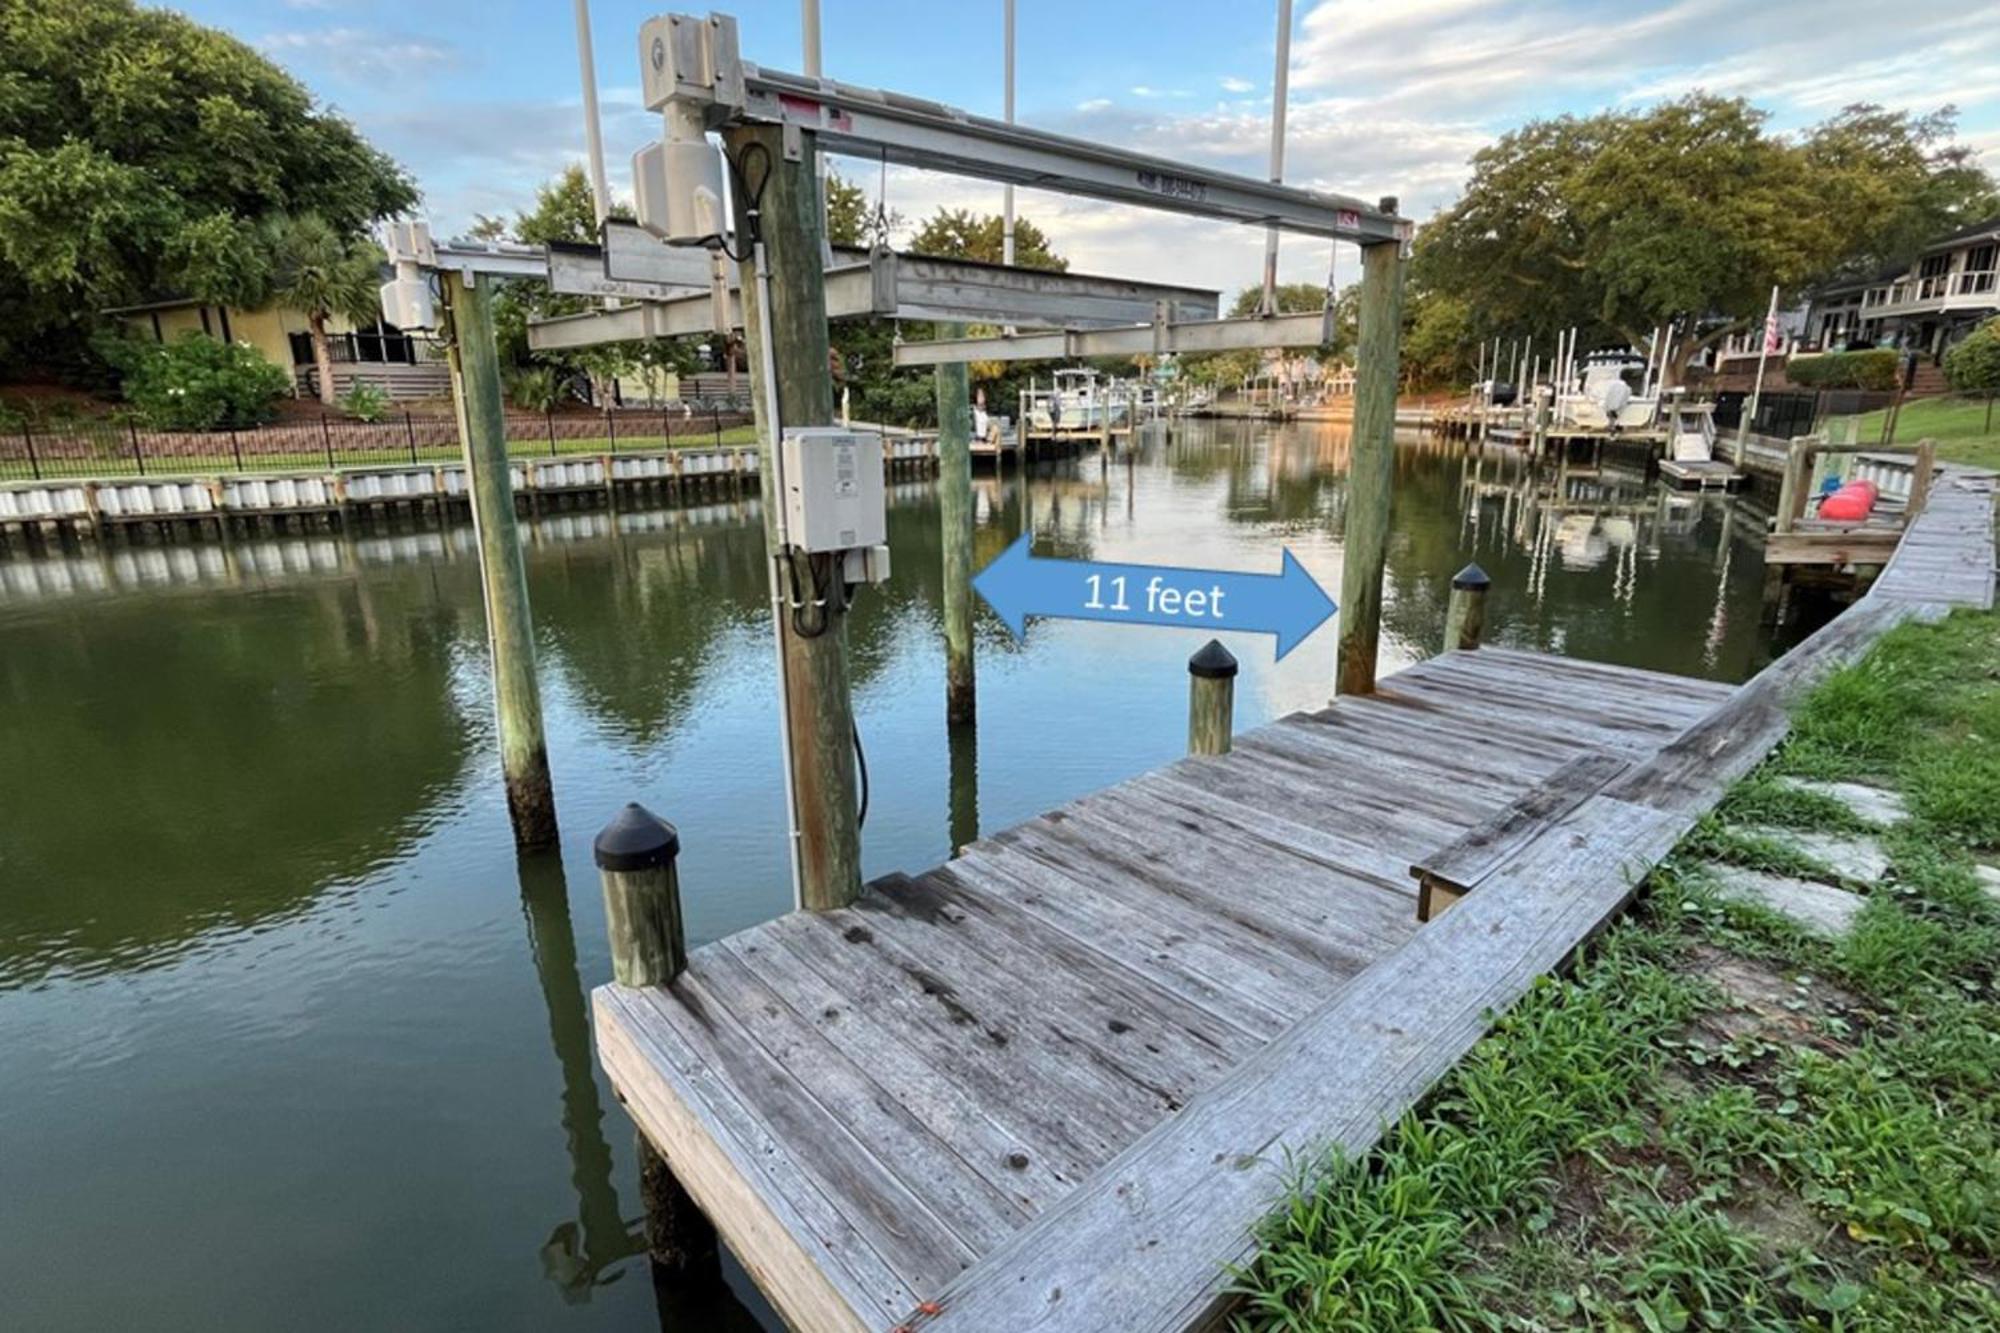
(818, 706)
(503, 575)
(1465, 613)
(954, 411)
(636, 854)
(1370, 471)
(1211, 699)
(636, 859)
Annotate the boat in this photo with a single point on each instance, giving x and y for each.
(1081, 401)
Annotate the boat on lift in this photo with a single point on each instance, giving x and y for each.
(1082, 400)
(1611, 396)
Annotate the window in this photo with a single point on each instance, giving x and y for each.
(1934, 266)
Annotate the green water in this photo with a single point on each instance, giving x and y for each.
(291, 1040)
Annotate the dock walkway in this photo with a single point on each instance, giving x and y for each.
(1053, 1083)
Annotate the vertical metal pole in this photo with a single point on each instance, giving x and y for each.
(954, 411)
(549, 419)
(593, 132)
(138, 455)
(326, 438)
(34, 464)
(1007, 192)
(1371, 469)
(610, 431)
(1757, 389)
(1280, 81)
(410, 434)
(236, 448)
(510, 631)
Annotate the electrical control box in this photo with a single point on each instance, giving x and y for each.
(833, 489)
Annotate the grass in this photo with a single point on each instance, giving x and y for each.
(1716, 1121)
(223, 459)
(1957, 424)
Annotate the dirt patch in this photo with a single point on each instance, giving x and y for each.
(1768, 1005)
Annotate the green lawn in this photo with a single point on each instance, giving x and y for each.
(1716, 1121)
(1957, 424)
(115, 462)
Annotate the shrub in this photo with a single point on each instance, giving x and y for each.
(365, 402)
(1875, 368)
(199, 383)
(534, 388)
(1973, 366)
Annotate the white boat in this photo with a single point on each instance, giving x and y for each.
(1605, 399)
(1082, 400)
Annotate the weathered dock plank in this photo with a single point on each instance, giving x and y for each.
(1054, 1083)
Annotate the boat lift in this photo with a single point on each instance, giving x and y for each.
(694, 74)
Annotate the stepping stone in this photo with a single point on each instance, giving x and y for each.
(1873, 804)
(1851, 856)
(1989, 879)
(1820, 908)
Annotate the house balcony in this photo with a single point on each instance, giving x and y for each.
(1933, 295)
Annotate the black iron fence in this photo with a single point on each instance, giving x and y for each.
(107, 447)
(1789, 414)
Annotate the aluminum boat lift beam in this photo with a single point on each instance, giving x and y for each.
(678, 300)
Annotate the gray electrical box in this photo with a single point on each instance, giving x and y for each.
(833, 489)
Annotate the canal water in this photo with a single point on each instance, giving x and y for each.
(287, 1036)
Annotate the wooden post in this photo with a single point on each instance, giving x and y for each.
(1920, 480)
(642, 897)
(1211, 699)
(1465, 613)
(1370, 471)
(635, 855)
(510, 634)
(955, 515)
(818, 709)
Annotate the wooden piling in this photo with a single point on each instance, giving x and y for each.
(636, 854)
(482, 430)
(1465, 613)
(1211, 699)
(954, 447)
(819, 709)
(1372, 465)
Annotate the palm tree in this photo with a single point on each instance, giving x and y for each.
(319, 271)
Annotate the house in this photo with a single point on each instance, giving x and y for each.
(381, 354)
(1925, 306)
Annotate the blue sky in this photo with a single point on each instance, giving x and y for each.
(481, 100)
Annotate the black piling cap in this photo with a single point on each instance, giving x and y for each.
(1387, 203)
(636, 839)
(1213, 662)
(1472, 578)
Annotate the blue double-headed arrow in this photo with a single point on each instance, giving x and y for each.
(1288, 604)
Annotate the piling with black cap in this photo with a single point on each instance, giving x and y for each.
(1211, 699)
(1465, 613)
(636, 854)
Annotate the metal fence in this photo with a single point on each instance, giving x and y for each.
(107, 448)
(1788, 415)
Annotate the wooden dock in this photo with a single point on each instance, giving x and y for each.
(1055, 1082)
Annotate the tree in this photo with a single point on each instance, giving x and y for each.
(1619, 222)
(1294, 298)
(141, 155)
(1973, 366)
(317, 271)
(958, 233)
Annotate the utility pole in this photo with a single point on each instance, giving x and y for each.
(1280, 81)
(954, 411)
(510, 632)
(818, 708)
(1371, 468)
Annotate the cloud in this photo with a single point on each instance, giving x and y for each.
(1142, 90)
(1232, 84)
(361, 54)
(1094, 104)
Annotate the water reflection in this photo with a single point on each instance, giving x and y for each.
(252, 792)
